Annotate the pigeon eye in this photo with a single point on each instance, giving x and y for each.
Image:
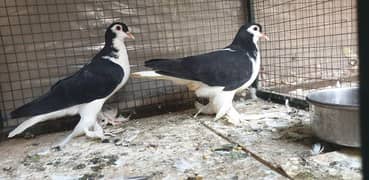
(255, 28)
(118, 28)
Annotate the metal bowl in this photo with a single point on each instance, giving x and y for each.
(335, 115)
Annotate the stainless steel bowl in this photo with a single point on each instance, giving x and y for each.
(335, 115)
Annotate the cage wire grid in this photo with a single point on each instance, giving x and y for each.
(43, 41)
(313, 45)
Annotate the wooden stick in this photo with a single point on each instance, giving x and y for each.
(277, 168)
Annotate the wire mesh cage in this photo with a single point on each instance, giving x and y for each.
(313, 45)
(43, 41)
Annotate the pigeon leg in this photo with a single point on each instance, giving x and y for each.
(233, 116)
(222, 111)
(206, 109)
(199, 107)
(89, 119)
(77, 131)
(223, 102)
(96, 133)
(99, 130)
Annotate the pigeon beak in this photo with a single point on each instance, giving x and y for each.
(264, 36)
(130, 36)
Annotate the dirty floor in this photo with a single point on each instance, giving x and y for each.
(177, 146)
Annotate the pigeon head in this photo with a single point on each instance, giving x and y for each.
(256, 31)
(248, 35)
(117, 30)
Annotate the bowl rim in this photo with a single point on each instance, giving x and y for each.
(331, 105)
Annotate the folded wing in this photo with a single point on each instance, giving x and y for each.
(228, 69)
(94, 81)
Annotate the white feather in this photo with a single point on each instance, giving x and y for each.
(150, 74)
(233, 116)
(223, 103)
(205, 109)
(228, 49)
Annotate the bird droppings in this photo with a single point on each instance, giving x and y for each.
(105, 141)
(231, 150)
(183, 165)
(178, 146)
(30, 159)
(29, 135)
(79, 166)
(138, 178)
(90, 176)
(195, 177)
(8, 169)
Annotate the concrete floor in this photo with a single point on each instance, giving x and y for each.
(177, 146)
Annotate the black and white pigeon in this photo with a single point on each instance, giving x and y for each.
(85, 91)
(216, 75)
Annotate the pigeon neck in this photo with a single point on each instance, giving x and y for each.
(244, 43)
(118, 44)
(115, 46)
(121, 50)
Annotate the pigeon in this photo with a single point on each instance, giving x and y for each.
(85, 91)
(216, 75)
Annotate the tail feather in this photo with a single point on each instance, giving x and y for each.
(44, 117)
(166, 69)
(162, 64)
(161, 68)
(155, 75)
(42, 105)
(166, 66)
(170, 67)
(22, 111)
(149, 74)
(26, 124)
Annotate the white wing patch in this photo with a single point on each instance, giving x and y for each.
(107, 57)
(146, 74)
(228, 49)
